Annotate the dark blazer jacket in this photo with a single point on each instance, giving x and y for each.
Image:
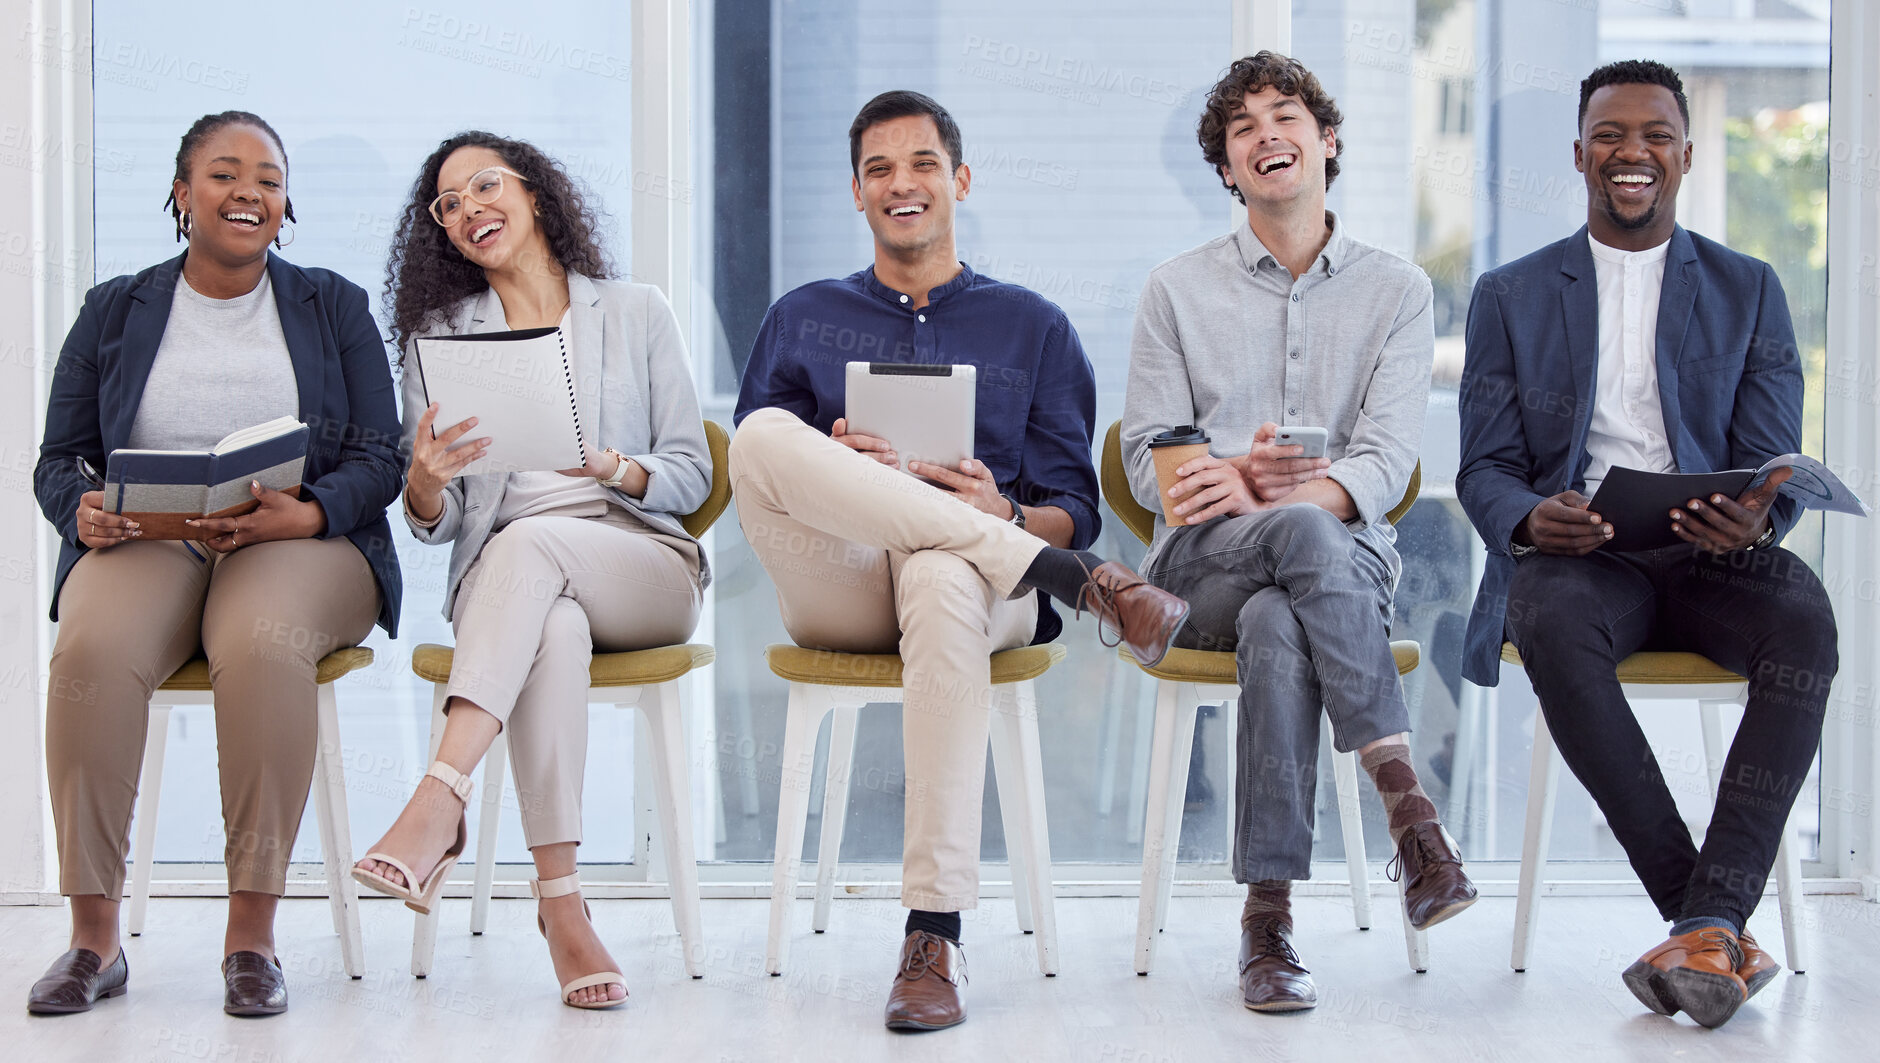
(346, 399)
(1729, 383)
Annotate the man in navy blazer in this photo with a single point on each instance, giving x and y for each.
(1635, 343)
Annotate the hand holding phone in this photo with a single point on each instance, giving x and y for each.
(1313, 439)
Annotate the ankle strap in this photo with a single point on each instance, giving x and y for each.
(549, 889)
(458, 782)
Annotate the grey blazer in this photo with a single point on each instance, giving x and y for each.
(633, 388)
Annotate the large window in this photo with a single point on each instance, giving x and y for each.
(1078, 122)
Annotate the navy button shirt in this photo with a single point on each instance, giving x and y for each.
(1036, 398)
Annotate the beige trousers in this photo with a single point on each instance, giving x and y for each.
(545, 593)
(869, 560)
(130, 615)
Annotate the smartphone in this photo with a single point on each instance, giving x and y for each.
(1313, 439)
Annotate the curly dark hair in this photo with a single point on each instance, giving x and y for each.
(1248, 76)
(426, 275)
(1635, 72)
(204, 127)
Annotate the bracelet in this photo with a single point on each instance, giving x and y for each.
(411, 513)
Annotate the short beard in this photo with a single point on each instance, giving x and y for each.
(1643, 221)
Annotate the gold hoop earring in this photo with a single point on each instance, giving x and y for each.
(182, 227)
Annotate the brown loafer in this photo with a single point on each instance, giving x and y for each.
(1757, 968)
(1144, 618)
(76, 980)
(1271, 977)
(1694, 972)
(255, 985)
(926, 993)
(1434, 886)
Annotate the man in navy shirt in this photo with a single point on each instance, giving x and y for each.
(869, 560)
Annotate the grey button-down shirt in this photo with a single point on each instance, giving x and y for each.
(1226, 338)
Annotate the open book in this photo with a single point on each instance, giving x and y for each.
(160, 489)
(520, 388)
(1638, 504)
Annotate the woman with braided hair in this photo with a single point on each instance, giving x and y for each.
(225, 336)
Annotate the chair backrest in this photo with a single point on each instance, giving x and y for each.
(699, 520)
(1142, 521)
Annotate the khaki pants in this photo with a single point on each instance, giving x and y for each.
(132, 614)
(869, 560)
(546, 592)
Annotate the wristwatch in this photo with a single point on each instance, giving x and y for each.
(620, 471)
(1018, 511)
(1520, 551)
(1767, 538)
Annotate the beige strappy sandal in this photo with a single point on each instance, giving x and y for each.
(561, 887)
(420, 895)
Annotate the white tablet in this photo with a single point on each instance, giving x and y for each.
(926, 411)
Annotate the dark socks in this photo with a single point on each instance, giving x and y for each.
(945, 924)
(1062, 573)
(1691, 923)
(1405, 803)
(1267, 899)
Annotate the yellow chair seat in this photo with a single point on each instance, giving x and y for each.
(832, 669)
(195, 674)
(1657, 667)
(1217, 666)
(632, 668)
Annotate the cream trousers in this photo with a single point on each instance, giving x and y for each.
(545, 593)
(869, 560)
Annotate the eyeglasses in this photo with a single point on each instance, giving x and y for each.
(485, 187)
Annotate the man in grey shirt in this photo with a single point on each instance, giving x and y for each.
(1289, 560)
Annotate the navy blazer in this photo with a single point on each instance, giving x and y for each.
(1729, 383)
(345, 384)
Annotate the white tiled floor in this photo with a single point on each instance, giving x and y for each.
(492, 997)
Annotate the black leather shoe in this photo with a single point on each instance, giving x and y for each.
(256, 985)
(76, 980)
(1271, 977)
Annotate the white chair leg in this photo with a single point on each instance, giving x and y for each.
(1415, 942)
(1789, 900)
(1351, 825)
(329, 804)
(1011, 806)
(1015, 725)
(424, 927)
(487, 826)
(797, 767)
(1543, 786)
(149, 789)
(1169, 750)
(1710, 721)
(673, 778)
(835, 809)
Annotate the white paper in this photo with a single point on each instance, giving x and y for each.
(1813, 485)
(517, 389)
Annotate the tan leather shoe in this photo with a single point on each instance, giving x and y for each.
(1144, 618)
(1757, 968)
(1694, 972)
(926, 993)
(1434, 886)
(1271, 977)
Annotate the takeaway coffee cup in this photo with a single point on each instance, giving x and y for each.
(1170, 449)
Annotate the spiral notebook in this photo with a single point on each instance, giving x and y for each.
(520, 388)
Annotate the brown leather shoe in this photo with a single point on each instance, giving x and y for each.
(1434, 886)
(1271, 977)
(76, 980)
(255, 985)
(1144, 618)
(1694, 972)
(926, 994)
(1757, 968)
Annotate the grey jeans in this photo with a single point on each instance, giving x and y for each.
(1306, 608)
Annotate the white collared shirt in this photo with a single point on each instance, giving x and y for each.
(1628, 422)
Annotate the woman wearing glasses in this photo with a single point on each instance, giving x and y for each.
(220, 338)
(545, 566)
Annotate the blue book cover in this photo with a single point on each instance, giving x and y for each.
(161, 489)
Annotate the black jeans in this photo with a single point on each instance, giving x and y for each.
(1761, 614)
